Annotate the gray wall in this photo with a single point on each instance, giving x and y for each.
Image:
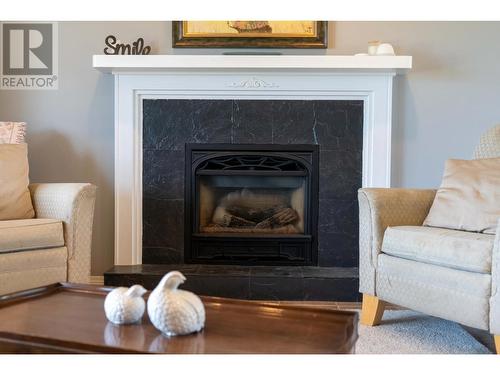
(449, 98)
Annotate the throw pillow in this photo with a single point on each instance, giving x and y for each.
(15, 198)
(12, 132)
(469, 196)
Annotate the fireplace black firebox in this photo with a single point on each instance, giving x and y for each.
(251, 204)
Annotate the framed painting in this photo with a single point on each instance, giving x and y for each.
(249, 34)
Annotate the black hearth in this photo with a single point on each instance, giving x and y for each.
(251, 204)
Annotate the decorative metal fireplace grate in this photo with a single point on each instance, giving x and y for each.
(251, 204)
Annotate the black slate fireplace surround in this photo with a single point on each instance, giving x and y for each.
(333, 127)
(251, 204)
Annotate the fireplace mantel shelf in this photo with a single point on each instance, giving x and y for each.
(119, 64)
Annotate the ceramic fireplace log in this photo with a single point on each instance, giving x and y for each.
(254, 213)
(230, 220)
(281, 218)
(223, 218)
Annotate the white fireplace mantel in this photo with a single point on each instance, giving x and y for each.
(159, 63)
(258, 77)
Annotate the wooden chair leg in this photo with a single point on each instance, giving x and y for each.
(371, 310)
(497, 343)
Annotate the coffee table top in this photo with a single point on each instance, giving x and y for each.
(70, 318)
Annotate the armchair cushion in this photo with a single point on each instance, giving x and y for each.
(469, 196)
(12, 132)
(15, 200)
(460, 250)
(30, 234)
(31, 269)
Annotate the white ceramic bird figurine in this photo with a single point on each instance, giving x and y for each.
(125, 305)
(175, 311)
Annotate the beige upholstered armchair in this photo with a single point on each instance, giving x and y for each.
(55, 245)
(446, 273)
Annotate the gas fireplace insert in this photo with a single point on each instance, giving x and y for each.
(251, 204)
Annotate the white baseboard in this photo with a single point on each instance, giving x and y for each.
(96, 280)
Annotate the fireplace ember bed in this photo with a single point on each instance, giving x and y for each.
(251, 204)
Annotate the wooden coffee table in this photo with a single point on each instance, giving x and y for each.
(69, 318)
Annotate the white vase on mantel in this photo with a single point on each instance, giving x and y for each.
(175, 311)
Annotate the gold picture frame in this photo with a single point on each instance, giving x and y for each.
(250, 34)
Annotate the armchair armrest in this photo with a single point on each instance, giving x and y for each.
(73, 204)
(495, 285)
(380, 208)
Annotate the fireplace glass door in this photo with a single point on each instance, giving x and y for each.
(239, 204)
